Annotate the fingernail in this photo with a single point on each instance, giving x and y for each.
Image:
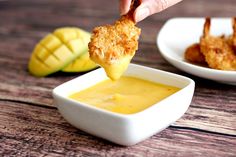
(142, 14)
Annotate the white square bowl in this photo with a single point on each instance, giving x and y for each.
(124, 129)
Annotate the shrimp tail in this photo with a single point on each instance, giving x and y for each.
(207, 24)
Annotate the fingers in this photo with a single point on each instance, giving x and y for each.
(124, 6)
(143, 11)
(149, 7)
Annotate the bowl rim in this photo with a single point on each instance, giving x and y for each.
(120, 115)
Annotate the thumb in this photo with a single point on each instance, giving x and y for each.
(124, 6)
(149, 7)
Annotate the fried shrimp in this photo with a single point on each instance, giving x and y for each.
(234, 35)
(113, 46)
(193, 54)
(219, 54)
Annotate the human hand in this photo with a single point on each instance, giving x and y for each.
(146, 8)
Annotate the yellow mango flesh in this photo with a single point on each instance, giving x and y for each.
(57, 50)
(81, 64)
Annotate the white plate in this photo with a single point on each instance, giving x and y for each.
(120, 128)
(179, 33)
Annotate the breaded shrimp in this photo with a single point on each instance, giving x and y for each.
(234, 35)
(194, 54)
(219, 54)
(113, 46)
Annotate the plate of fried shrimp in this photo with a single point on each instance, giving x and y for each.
(204, 47)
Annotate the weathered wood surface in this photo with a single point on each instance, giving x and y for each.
(30, 124)
(30, 130)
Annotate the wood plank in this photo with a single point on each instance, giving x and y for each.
(209, 120)
(27, 130)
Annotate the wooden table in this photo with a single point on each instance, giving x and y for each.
(30, 125)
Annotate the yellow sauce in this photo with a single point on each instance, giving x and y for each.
(127, 95)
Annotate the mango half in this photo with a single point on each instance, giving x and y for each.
(57, 50)
(81, 64)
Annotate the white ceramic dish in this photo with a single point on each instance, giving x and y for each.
(120, 128)
(179, 33)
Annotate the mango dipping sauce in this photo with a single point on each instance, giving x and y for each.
(126, 95)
